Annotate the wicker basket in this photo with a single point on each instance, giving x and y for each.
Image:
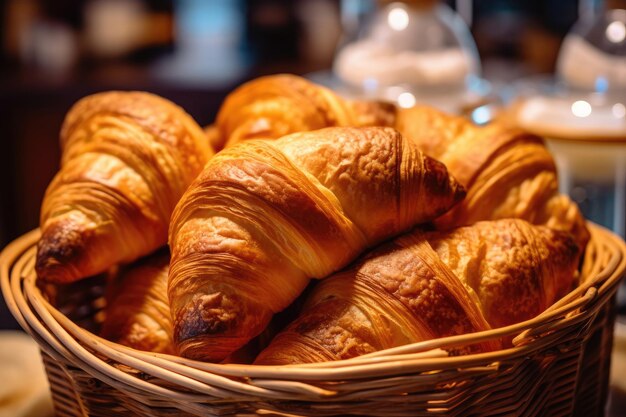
(558, 366)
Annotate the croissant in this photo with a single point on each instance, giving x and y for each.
(273, 106)
(137, 310)
(127, 159)
(427, 285)
(265, 216)
(508, 173)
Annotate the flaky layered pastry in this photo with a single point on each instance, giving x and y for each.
(127, 159)
(266, 216)
(137, 310)
(427, 285)
(508, 173)
(273, 106)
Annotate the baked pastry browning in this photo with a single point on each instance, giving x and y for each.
(265, 216)
(137, 311)
(127, 159)
(508, 173)
(273, 106)
(427, 285)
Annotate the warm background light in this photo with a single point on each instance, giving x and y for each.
(406, 100)
(398, 18)
(581, 108)
(619, 110)
(616, 32)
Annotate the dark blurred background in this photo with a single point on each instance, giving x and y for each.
(53, 52)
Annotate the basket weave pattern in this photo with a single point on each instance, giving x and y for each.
(558, 365)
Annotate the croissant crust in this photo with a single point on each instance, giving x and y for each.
(127, 159)
(508, 173)
(273, 106)
(265, 216)
(137, 311)
(427, 285)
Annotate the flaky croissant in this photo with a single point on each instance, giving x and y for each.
(137, 310)
(427, 285)
(265, 216)
(508, 173)
(127, 159)
(273, 106)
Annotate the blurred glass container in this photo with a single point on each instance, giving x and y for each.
(208, 44)
(409, 52)
(593, 55)
(582, 115)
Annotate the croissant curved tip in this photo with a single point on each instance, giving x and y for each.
(209, 327)
(50, 269)
(59, 251)
(458, 190)
(440, 180)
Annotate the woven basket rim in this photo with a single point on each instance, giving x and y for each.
(603, 268)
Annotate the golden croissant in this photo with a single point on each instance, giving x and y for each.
(137, 311)
(426, 285)
(273, 106)
(127, 159)
(508, 173)
(265, 216)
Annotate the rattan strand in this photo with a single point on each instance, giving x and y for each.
(558, 364)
